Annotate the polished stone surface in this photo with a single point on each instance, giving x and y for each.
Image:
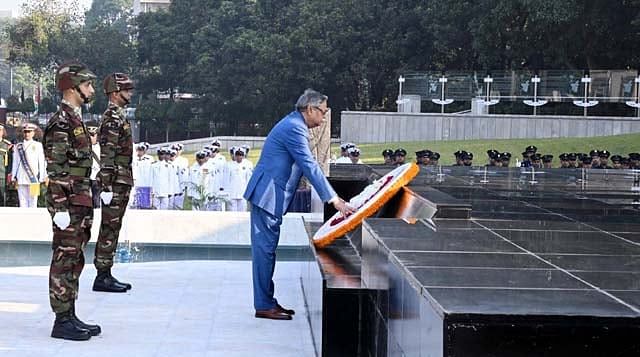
(547, 263)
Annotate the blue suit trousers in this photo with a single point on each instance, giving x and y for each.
(265, 234)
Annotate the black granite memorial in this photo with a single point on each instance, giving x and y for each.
(497, 262)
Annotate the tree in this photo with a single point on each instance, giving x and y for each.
(47, 105)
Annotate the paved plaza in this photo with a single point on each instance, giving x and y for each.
(178, 308)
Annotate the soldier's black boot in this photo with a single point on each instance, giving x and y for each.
(105, 282)
(94, 330)
(126, 285)
(65, 327)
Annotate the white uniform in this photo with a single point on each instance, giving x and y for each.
(219, 159)
(34, 154)
(164, 180)
(182, 166)
(141, 169)
(95, 166)
(343, 160)
(237, 177)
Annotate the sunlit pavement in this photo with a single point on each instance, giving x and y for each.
(178, 308)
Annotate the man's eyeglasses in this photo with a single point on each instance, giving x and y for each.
(324, 112)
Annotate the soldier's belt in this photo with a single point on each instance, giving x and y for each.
(79, 171)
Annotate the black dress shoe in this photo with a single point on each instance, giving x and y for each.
(286, 311)
(66, 328)
(105, 282)
(273, 314)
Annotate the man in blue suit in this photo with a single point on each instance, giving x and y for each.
(285, 158)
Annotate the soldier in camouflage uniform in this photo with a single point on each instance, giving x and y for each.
(67, 149)
(5, 148)
(115, 176)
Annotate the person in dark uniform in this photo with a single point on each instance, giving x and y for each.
(387, 155)
(616, 162)
(547, 161)
(564, 162)
(494, 158)
(595, 158)
(603, 157)
(634, 160)
(536, 161)
(467, 158)
(67, 149)
(458, 155)
(505, 158)
(423, 157)
(400, 155)
(435, 158)
(116, 178)
(572, 157)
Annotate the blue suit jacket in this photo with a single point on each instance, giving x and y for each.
(285, 158)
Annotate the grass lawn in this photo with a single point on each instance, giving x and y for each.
(372, 153)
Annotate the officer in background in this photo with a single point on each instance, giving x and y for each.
(92, 129)
(400, 154)
(116, 178)
(423, 157)
(435, 159)
(5, 154)
(467, 158)
(505, 158)
(67, 148)
(387, 156)
(603, 156)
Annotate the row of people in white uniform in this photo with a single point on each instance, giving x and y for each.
(211, 182)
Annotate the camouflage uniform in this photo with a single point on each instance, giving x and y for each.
(67, 149)
(116, 156)
(5, 147)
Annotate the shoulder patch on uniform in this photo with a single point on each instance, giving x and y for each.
(78, 131)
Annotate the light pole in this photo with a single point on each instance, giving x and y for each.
(535, 103)
(636, 103)
(400, 101)
(442, 101)
(487, 100)
(585, 103)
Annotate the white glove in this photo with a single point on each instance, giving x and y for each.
(62, 220)
(106, 197)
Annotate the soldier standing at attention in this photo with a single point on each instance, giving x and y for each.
(116, 178)
(5, 148)
(67, 148)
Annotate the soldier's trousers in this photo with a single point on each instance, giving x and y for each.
(68, 258)
(110, 227)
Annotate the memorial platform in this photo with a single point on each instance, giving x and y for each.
(547, 263)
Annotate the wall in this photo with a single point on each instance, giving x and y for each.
(379, 127)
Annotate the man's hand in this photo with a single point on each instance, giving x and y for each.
(106, 197)
(62, 220)
(343, 207)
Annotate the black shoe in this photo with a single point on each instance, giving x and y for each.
(66, 328)
(105, 282)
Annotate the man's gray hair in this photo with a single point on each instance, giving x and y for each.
(310, 97)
